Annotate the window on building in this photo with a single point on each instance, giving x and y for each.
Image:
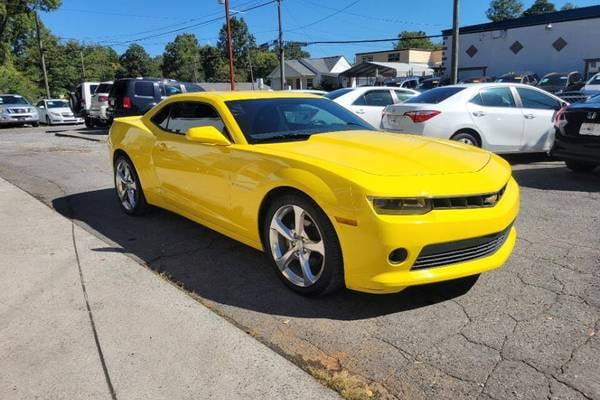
(309, 83)
(394, 57)
(367, 58)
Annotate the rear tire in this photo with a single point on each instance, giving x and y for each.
(128, 187)
(48, 122)
(466, 138)
(580, 167)
(35, 124)
(307, 258)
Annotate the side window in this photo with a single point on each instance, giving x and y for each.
(144, 89)
(161, 118)
(41, 103)
(380, 98)
(534, 99)
(186, 115)
(494, 97)
(402, 95)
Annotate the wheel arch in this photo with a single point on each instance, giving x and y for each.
(470, 131)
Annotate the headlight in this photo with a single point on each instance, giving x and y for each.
(56, 115)
(401, 206)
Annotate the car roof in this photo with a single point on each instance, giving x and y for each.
(54, 99)
(245, 95)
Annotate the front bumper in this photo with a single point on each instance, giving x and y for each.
(99, 113)
(577, 148)
(65, 120)
(13, 119)
(366, 248)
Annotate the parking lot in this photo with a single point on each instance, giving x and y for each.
(528, 330)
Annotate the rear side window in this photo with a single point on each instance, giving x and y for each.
(93, 89)
(436, 95)
(104, 88)
(494, 97)
(403, 95)
(534, 99)
(379, 98)
(144, 89)
(161, 118)
(119, 89)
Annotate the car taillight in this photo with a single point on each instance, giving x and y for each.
(558, 115)
(102, 98)
(127, 102)
(421, 116)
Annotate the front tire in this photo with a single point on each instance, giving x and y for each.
(466, 138)
(303, 246)
(129, 188)
(579, 167)
(89, 123)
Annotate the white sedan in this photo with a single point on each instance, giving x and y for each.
(368, 102)
(500, 117)
(56, 111)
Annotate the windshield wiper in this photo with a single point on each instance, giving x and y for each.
(277, 138)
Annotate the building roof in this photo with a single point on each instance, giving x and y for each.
(541, 19)
(394, 50)
(225, 86)
(371, 68)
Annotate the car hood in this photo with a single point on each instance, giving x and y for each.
(388, 154)
(60, 110)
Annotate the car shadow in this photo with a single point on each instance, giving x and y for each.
(558, 178)
(223, 271)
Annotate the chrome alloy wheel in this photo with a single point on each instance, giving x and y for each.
(297, 245)
(126, 185)
(466, 141)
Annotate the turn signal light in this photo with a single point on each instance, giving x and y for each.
(421, 116)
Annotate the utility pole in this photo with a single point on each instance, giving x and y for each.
(250, 65)
(82, 66)
(281, 54)
(455, 37)
(42, 58)
(229, 45)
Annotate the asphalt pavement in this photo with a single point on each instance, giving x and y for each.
(528, 330)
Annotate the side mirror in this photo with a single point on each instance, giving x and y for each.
(207, 135)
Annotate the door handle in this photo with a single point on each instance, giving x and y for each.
(162, 147)
(529, 116)
(360, 111)
(478, 113)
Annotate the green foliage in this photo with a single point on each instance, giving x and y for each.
(263, 62)
(539, 7)
(181, 59)
(13, 81)
(501, 10)
(568, 6)
(293, 51)
(134, 62)
(415, 40)
(241, 40)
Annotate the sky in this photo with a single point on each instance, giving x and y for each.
(150, 22)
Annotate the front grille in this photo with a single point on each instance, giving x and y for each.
(435, 255)
(480, 200)
(20, 110)
(66, 114)
(574, 97)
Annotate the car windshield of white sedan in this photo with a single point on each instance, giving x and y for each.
(287, 119)
(12, 100)
(57, 104)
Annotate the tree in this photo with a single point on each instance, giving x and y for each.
(293, 51)
(539, 7)
(263, 62)
(13, 81)
(501, 10)
(568, 6)
(12, 10)
(134, 62)
(415, 40)
(181, 59)
(242, 40)
(214, 64)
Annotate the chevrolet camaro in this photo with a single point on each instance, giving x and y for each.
(332, 201)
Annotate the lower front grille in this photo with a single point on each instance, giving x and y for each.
(435, 255)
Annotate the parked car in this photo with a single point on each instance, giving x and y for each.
(15, 110)
(479, 79)
(431, 83)
(135, 96)
(330, 200)
(56, 111)
(99, 105)
(577, 139)
(311, 91)
(503, 118)
(81, 98)
(369, 101)
(557, 82)
(589, 90)
(526, 78)
(410, 82)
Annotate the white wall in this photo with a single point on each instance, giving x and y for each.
(537, 55)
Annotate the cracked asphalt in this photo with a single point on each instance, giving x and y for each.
(529, 330)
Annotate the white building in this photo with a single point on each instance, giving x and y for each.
(562, 41)
(309, 73)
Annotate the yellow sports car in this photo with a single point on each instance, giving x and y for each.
(331, 200)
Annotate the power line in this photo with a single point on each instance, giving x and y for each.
(337, 11)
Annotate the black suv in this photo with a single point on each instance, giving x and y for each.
(135, 96)
(558, 82)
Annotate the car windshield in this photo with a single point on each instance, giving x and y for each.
(10, 99)
(287, 119)
(435, 95)
(337, 93)
(57, 104)
(510, 79)
(428, 84)
(595, 80)
(554, 80)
